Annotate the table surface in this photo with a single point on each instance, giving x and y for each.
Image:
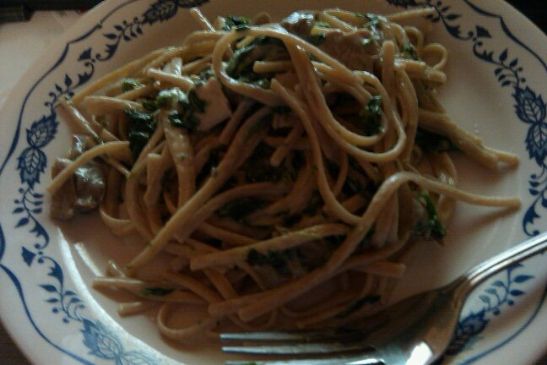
(44, 26)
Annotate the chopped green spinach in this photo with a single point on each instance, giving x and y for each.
(168, 98)
(372, 19)
(149, 105)
(187, 118)
(188, 122)
(195, 102)
(373, 22)
(408, 51)
(204, 76)
(366, 121)
(130, 84)
(240, 65)
(431, 227)
(236, 22)
(141, 126)
(370, 116)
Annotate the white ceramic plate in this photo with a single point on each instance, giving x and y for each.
(497, 77)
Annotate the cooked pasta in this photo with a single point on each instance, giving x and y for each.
(283, 169)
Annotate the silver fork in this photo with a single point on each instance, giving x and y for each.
(415, 331)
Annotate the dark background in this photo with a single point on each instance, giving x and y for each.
(536, 10)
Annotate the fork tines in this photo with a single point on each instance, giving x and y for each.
(329, 361)
(295, 336)
(335, 343)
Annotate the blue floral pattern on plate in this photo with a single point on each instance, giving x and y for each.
(102, 342)
(529, 105)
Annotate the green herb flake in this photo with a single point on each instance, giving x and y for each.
(372, 19)
(205, 75)
(130, 84)
(240, 62)
(316, 39)
(242, 28)
(168, 99)
(188, 122)
(370, 116)
(141, 127)
(372, 22)
(431, 228)
(156, 292)
(149, 105)
(408, 51)
(240, 65)
(236, 22)
(195, 102)
(187, 118)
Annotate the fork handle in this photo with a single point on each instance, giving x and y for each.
(494, 265)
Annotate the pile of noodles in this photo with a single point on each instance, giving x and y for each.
(279, 171)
